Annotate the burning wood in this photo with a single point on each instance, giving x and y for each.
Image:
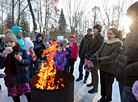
(47, 72)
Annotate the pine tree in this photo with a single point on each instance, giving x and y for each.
(24, 22)
(8, 21)
(62, 23)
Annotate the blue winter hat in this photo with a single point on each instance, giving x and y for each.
(90, 29)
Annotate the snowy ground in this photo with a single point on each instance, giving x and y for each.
(80, 90)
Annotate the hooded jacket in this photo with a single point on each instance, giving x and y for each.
(126, 64)
(16, 29)
(39, 46)
(28, 44)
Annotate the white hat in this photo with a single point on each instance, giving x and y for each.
(28, 44)
(59, 38)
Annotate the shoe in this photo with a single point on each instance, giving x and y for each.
(92, 91)
(78, 79)
(85, 81)
(102, 99)
(89, 85)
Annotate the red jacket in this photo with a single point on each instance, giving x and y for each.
(74, 49)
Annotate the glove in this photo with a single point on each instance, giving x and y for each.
(43, 45)
(6, 51)
(65, 52)
(34, 59)
(59, 67)
(31, 53)
(96, 58)
(135, 89)
(87, 56)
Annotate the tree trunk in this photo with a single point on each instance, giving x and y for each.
(18, 13)
(32, 14)
(12, 12)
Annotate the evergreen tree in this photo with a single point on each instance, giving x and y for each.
(8, 21)
(24, 22)
(62, 23)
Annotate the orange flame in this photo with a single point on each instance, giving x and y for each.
(47, 73)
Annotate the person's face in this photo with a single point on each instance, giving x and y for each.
(31, 49)
(59, 48)
(110, 34)
(71, 39)
(95, 30)
(10, 43)
(39, 38)
(20, 33)
(89, 32)
(64, 44)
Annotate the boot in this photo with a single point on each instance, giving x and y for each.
(102, 99)
(78, 79)
(89, 85)
(92, 91)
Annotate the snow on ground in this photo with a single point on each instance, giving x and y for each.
(80, 90)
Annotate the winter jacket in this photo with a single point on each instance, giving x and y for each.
(90, 45)
(74, 50)
(39, 46)
(16, 29)
(95, 44)
(107, 54)
(60, 60)
(23, 74)
(126, 64)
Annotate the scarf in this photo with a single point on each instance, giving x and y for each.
(71, 43)
(11, 67)
(114, 40)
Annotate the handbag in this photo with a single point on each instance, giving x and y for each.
(88, 65)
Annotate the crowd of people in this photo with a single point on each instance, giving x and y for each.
(22, 59)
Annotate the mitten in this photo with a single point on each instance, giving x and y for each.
(59, 67)
(96, 58)
(87, 56)
(135, 89)
(65, 52)
(6, 51)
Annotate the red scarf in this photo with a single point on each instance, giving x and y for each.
(11, 67)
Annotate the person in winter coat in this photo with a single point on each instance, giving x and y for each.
(15, 59)
(94, 46)
(82, 51)
(39, 45)
(29, 49)
(67, 51)
(105, 57)
(126, 64)
(19, 31)
(59, 39)
(60, 59)
(74, 50)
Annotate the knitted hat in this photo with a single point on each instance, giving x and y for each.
(99, 27)
(72, 36)
(90, 29)
(53, 39)
(65, 41)
(40, 35)
(10, 37)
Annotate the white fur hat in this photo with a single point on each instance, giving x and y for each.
(59, 38)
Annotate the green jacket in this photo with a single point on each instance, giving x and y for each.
(107, 54)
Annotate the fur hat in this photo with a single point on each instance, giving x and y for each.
(65, 41)
(90, 29)
(10, 37)
(72, 36)
(99, 27)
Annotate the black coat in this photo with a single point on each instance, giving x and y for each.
(90, 45)
(126, 64)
